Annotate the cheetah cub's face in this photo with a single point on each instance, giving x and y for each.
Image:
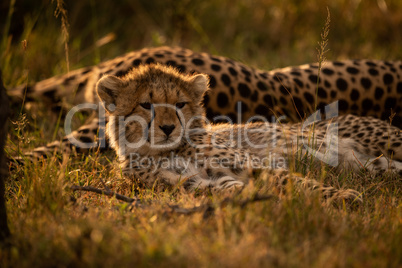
(152, 108)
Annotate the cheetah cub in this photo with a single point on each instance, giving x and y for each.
(158, 129)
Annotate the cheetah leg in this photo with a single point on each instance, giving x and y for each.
(377, 165)
(283, 176)
(228, 182)
(223, 183)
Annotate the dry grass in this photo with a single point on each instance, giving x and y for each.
(53, 226)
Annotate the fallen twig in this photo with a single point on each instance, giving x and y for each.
(207, 209)
(105, 192)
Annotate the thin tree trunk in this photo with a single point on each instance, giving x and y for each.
(4, 112)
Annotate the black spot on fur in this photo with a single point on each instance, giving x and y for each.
(367, 104)
(379, 92)
(352, 70)
(181, 68)
(84, 131)
(215, 59)
(283, 90)
(121, 73)
(313, 78)
(222, 100)
(373, 71)
(120, 63)
(327, 71)
(296, 73)
(277, 78)
(232, 71)
(171, 63)
(85, 139)
(197, 62)
(388, 79)
(212, 81)
(298, 82)
(268, 100)
(366, 83)
(232, 91)
(341, 84)
(343, 105)
(298, 104)
(391, 152)
(150, 60)
(372, 64)
(245, 72)
(338, 63)
(225, 79)
(216, 67)
(244, 90)
(390, 103)
(399, 88)
(50, 94)
(82, 85)
(322, 93)
(354, 95)
(262, 110)
(254, 96)
(136, 62)
(262, 86)
(68, 80)
(309, 98)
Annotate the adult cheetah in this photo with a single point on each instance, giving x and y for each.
(362, 87)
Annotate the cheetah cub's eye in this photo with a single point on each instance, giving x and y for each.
(180, 105)
(146, 105)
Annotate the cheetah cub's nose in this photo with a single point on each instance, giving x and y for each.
(167, 129)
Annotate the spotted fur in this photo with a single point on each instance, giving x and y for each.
(369, 88)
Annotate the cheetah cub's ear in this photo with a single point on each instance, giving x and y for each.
(108, 88)
(200, 86)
